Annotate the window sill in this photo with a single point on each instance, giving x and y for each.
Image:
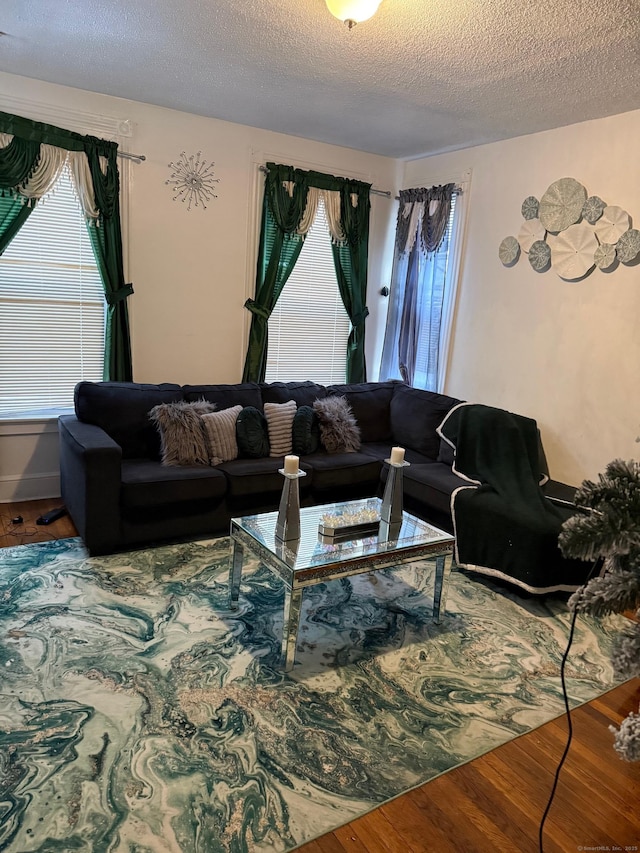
(24, 423)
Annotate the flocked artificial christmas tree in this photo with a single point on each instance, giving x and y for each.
(610, 530)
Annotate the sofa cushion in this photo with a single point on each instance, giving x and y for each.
(280, 424)
(333, 471)
(370, 403)
(252, 434)
(225, 396)
(446, 453)
(122, 409)
(220, 429)
(339, 432)
(305, 432)
(415, 416)
(182, 436)
(147, 483)
(257, 477)
(304, 393)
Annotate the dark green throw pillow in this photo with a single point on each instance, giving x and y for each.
(305, 432)
(252, 434)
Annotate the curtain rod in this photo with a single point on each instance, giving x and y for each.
(385, 193)
(137, 157)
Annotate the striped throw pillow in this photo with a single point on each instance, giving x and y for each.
(279, 423)
(220, 429)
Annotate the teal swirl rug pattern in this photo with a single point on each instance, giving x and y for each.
(138, 714)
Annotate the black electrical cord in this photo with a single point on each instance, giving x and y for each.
(567, 707)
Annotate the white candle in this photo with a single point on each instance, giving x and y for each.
(397, 455)
(291, 464)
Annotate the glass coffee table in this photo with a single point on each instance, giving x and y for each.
(315, 558)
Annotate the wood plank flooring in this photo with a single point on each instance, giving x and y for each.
(492, 804)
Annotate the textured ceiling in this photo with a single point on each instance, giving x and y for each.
(420, 77)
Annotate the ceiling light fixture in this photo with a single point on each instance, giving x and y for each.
(352, 12)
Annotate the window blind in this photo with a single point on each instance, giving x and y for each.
(52, 308)
(309, 327)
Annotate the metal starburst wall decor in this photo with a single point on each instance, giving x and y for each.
(192, 180)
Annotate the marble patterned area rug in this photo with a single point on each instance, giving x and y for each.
(138, 714)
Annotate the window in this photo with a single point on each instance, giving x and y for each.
(52, 308)
(422, 300)
(309, 327)
(428, 356)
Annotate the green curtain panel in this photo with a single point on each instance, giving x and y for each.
(278, 252)
(18, 160)
(285, 199)
(13, 214)
(351, 263)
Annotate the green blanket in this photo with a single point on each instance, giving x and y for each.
(504, 524)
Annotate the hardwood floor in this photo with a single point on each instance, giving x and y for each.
(492, 804)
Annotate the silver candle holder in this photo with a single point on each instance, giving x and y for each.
(392, 506)
(288, 523)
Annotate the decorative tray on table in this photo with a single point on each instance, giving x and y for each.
(347, 525)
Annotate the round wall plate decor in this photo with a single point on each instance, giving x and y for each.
(530, 231)
(572, 253)
(592, 209)
(540, 255)
(604, 255)
(561, 205)
(530, 207)
(612, 224)
(509, 251)
(628, 246)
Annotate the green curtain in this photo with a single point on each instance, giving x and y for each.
(280, 248)
(351, 263)
(278, 252)
(13, 214)
(18, 161)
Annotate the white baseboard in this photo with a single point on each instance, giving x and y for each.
(29, 487)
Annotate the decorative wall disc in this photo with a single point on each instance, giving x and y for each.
(628, 245)
(612, 224)
(592, 209)
(604, 255)
(530, 207)
(509, 251)
(531, 231)
(539, 255)
(192, 180)
(561, 205)
(572, 255)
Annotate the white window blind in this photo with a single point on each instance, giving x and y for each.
(52, 309)
(309, 326)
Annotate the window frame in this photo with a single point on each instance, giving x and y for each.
(114, 129)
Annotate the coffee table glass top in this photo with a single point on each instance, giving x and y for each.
(313, 551)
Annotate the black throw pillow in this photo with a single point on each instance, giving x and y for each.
(305, 432)
(252, 434)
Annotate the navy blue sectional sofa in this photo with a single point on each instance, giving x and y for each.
(121, 496)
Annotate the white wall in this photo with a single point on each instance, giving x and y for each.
(565, 353)
(193, 270)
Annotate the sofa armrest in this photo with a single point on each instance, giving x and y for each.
(90, 474)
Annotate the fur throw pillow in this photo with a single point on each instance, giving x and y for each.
(182, 437)
(339, 431)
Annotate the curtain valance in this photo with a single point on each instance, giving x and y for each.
(423, 213)
(293, 196)
(32, 155)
